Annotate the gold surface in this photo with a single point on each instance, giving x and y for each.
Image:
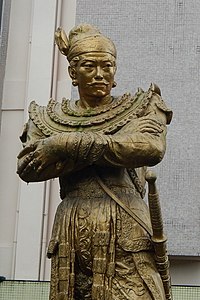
(99, 147)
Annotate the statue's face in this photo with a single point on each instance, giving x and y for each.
(95, 74)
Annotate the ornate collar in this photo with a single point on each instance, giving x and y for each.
(66, 116)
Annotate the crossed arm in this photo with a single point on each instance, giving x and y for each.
(140, 143)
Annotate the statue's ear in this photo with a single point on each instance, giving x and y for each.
(73, 75)
(72, 72)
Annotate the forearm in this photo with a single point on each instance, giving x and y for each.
(127, 150)
(135, 150)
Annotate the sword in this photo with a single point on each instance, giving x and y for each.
(159, 239)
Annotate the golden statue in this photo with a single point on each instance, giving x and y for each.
(99, 146)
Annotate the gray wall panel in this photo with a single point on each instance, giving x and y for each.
(159, 41)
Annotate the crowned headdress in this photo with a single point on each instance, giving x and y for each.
(82, 39)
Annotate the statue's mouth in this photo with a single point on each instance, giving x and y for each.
(98, 84)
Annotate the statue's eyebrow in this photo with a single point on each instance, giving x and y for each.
(94, 60)
(108, 60)
(88, 60)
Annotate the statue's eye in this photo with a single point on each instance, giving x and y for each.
(107, 65)
(88, 65)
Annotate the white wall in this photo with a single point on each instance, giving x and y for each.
(12, 119)
(32, 72)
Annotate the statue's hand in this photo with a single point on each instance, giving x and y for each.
(36, 157)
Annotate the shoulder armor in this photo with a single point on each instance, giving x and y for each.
(160, 102)
(155, 88)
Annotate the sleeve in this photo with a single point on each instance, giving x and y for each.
(30, 133)
(129, 150)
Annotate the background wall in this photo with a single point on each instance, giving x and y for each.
(157, 41)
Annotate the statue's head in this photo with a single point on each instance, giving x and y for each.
(92, 59)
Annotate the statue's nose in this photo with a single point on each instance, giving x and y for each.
(98, 73)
